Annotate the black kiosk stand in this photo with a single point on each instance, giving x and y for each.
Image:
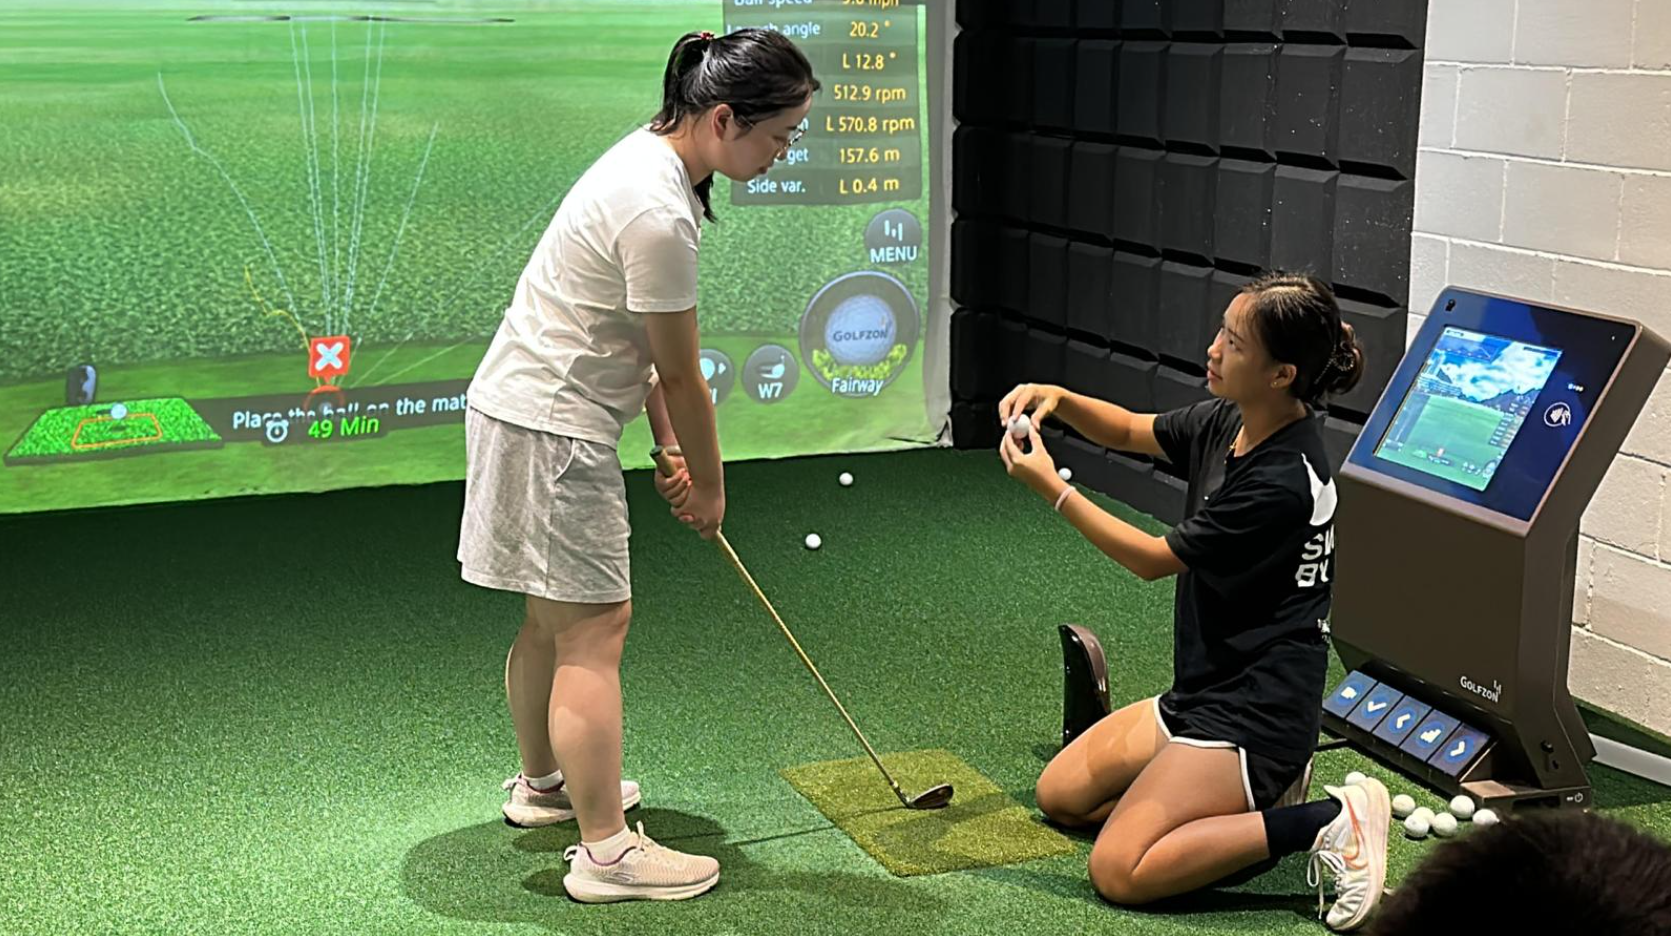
(1458, 528)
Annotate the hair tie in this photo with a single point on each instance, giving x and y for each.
(706, 35)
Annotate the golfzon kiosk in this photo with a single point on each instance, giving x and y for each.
(1458, 520)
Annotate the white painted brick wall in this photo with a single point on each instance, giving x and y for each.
(1620, 119)
(1544, 171)
(1470, 30)
(1574, 32)
(1522, 111)
(1459, 196)
(1562, 209)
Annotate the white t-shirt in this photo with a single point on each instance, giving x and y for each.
(571, 355)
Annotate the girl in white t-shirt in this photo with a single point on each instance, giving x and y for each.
(603, 327)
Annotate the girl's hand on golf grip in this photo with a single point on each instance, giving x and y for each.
(703, 510)
(674, 488)
(1042, 399)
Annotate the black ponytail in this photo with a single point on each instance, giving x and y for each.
(1297, 319)
(759, 72)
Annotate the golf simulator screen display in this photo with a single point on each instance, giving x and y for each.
(1469, 402)
(1490, 399)
(256, 248)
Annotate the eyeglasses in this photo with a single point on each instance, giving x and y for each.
(795, 134)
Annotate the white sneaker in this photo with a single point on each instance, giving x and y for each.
(1354, 847)
(529, 808)
(644, 871)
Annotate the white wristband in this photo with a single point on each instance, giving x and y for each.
(1060, 498)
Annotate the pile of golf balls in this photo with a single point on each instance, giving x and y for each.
(1418, 822)
(813, 541)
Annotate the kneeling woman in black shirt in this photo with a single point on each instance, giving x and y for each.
(1209, 779)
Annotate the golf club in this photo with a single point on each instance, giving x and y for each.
(935, 797)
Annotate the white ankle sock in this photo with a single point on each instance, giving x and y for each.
(544, 784)
(610, 848)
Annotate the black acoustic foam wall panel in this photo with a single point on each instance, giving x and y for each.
(1122, 167)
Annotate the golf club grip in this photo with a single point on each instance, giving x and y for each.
(663, 463)
(737, 564)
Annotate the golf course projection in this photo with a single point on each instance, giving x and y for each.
(1467, 405)
(256, 248)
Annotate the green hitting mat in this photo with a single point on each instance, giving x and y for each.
(982, 828)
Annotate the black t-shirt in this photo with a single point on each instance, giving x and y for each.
(1250, 653)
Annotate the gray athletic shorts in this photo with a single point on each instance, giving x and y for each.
(544, 514)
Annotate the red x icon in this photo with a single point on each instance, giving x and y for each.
(328, 357)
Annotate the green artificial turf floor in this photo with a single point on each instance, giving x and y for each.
(285, 715)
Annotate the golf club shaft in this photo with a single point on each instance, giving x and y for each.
(666, 468)
(738, 565)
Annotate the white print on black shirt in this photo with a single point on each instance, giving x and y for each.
(1319, 550)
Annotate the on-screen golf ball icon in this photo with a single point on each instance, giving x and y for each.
(858, 333)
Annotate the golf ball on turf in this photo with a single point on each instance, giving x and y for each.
(1018, 427)
(1485, 817)
(1416, 826)
(1444, 825)
(1425, 813)
(1065, 473)
(119, 411)
(813, 541)
(1355, 777)
(1462, 807)
(1403, 805)
(845, 479)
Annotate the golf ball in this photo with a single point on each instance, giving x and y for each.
(1417, 826)
(1424, 813)
(1444, 825)
(1462, 807)
(1403, 805)
(1018, 427)
(846, 479)
(813, 541)
(1355, 777)
(1065, 473)
(1485, 817)
(860, 330)
(119, 411)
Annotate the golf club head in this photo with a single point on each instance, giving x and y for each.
(932, 798)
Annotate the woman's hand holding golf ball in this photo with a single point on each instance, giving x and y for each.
(1042, 399)
(1033, 467)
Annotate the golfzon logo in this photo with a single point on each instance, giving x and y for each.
(1494, 694)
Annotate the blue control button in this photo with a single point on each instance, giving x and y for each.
(1348, 694)
(1431, 733)
(1401, 721)
(1381, 700)
(1459, 750)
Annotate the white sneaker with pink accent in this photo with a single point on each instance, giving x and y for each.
(642, 871)
(530, 808)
